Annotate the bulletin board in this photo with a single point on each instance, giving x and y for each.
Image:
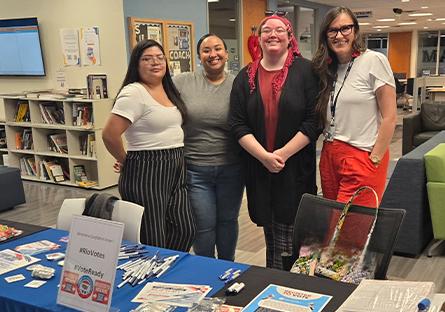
(176, 38)
(140, 29)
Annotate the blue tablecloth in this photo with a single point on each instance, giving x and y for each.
(188, 269)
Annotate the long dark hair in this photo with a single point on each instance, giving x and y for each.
(167, 82)
(325, 61)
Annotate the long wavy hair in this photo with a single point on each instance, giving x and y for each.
(325, 62)
(167, 82)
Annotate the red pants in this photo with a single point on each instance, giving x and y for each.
(343, 169)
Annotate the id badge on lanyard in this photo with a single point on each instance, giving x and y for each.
(330, 131)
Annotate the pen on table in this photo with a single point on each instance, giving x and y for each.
(424, 304)
(232, 276)
(123, 247)
(132, 255)
(225, 274)
(125, 266)
(132, 249)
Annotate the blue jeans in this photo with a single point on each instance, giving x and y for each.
(215, 194)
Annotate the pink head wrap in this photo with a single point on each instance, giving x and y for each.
(279, 79)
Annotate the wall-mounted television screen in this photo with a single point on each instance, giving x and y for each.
(20, 50)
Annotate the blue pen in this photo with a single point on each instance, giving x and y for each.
(226, 274)
(424, 304)
(232, 276)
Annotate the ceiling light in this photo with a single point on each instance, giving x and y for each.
(378, 27)
(405, 0)
(212, 0)
(420, 14)
(424, 7)
(425, 27)
(232, 20)
(407, 23)
(364, 24)
(386, 20)
(440, 19)
(379, 30)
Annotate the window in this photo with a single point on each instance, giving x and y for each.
(427, 58)
(377, 42)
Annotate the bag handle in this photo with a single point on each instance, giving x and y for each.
(342, 218)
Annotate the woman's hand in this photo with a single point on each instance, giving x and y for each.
(273, 162)
(281, 152)
(117, 167)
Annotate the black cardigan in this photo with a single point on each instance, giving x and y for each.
(278, 194)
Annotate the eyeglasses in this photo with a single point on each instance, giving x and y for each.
(278, 31)
(152, 58)
(276, 12)
(345, 30)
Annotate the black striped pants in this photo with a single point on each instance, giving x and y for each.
(156, 179)
(278, 238)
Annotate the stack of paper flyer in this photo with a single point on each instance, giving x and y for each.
(387, 296)
(180, 295)
(285, 299)
(11, 260)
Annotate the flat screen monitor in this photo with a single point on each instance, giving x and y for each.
(20, 49)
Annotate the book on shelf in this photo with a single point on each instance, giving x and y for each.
(97, 86)
(28, 166)
(22, 112)
(52, 113)
(23, 140)
(58, 143)
(3, 143)
(80, 174)
(82, 115)
(43, 174)
(53, 170)
(18, 141)
(91, 145)
(81, 178)
(87, 183)
(87, 145)
(57, 172)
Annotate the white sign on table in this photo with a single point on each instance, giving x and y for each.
(90, 264)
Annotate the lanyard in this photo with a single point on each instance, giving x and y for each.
(333, 97)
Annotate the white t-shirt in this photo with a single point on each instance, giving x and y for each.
(357, 116)
(153, 125)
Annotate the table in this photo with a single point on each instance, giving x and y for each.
(257, 278)
(437, 94)
(189, 269)
(27, 229)
(422, 83)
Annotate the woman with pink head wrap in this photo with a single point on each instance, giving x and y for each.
(272, 117)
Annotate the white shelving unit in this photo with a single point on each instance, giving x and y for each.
(98, 165)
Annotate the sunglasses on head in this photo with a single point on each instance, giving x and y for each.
(276, 12)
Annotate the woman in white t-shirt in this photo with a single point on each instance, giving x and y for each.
(149, 112)
(357, 108)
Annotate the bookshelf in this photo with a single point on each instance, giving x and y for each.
(47, 139)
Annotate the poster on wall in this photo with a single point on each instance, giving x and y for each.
(179, 47)
(90, 49)
(141, 29)
(69, 38)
